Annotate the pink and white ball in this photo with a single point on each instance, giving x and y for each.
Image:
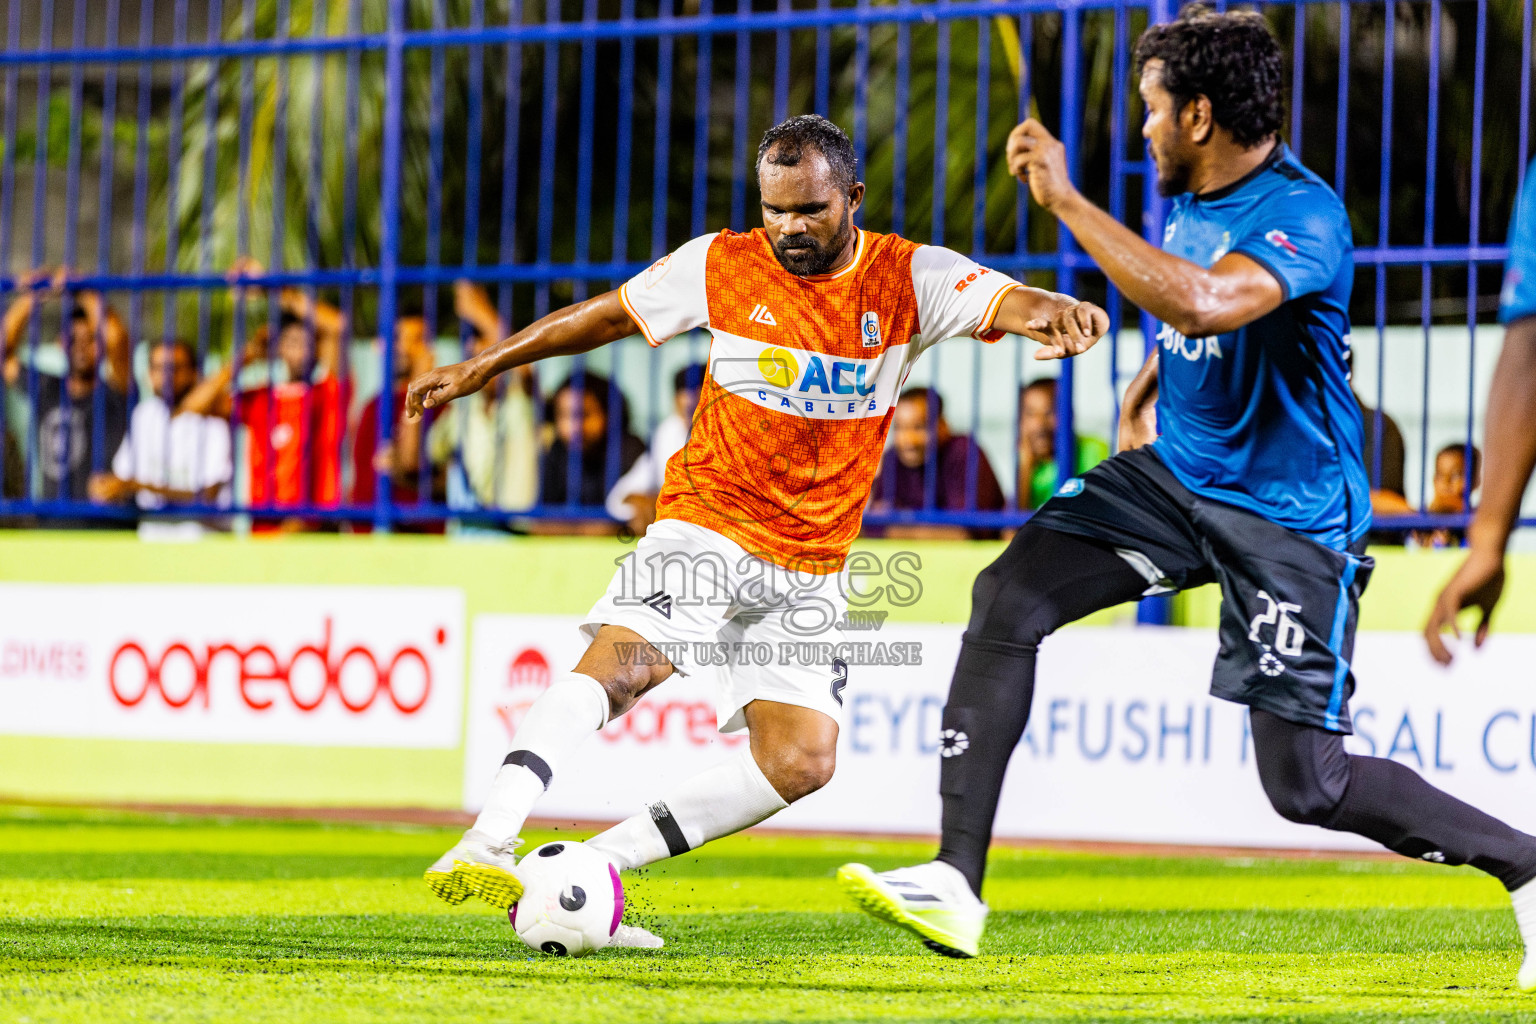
(572, 900)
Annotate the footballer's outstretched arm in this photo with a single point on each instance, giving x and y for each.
(570, 331)
(1194, 301)
(1062, 325)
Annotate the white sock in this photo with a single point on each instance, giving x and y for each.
(573, 708)
(1524, 899)
(724, 799)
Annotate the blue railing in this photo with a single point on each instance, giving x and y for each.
(373, 154)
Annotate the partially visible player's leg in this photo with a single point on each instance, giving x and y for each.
(1310, 779)
(605, 684)
(1289, 611)
(791, 755)
(1043, 580)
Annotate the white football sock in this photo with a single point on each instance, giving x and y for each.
(1524, 899)
(573, 708)
(724, 799)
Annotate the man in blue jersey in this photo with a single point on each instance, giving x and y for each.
(1510, 446)
(1256, 482)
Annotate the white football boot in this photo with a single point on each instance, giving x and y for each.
(478, 865)
(1524, 899)
(631, 936)
(930, 900)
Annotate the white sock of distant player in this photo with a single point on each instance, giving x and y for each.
(724, 799)
(1524, 899)
(573, 708)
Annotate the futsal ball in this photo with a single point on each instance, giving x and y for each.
(572, 900)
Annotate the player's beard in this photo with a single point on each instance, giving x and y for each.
(803, 256)
(1172, 174)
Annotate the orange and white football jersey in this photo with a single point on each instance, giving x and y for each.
(803, 375)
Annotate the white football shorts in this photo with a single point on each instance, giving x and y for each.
(712, 607)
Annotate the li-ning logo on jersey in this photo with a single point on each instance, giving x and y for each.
(869, 329)
(1288, 633)
(1280, 240)
(760, 315)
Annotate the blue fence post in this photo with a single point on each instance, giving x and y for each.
(389, 250)
(1066, 279)
(1156, 610)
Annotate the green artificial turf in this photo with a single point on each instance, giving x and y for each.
(107, 916)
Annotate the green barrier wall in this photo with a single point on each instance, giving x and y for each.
(922, 582)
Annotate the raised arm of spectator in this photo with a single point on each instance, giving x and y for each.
(1510, 443)
(17, 315)
(213, 395)
(330, 326)
(105, 324)
(1194, 301)
(575, 329)
(473, 306)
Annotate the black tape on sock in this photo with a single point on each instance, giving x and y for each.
(661, 814)
(533, 762)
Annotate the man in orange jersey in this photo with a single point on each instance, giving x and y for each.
(816, 325)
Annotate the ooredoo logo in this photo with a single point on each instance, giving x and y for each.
(182, 672)
(528, 677)
(529, 668)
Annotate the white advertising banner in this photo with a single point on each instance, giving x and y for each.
(1124, 743)
(311, 665)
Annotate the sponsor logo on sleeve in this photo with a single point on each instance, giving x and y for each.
(971, 278)
(1280, 240)
(658, 270)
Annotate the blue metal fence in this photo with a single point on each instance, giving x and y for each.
(370, 155)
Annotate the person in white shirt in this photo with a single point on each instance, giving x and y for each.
(633, 497)
(169, 457)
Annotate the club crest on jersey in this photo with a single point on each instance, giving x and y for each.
(869, 330)
(1280, 240)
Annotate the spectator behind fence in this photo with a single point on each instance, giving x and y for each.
(633, 498)
(902, 482)
(399, 459)
(295, 420)
(170, 456)
(71, 441)
(582, 422)
(494, 433)
(1450, 495)
(1037, 444)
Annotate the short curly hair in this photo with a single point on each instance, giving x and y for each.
(784, 145)
(1231, 59)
